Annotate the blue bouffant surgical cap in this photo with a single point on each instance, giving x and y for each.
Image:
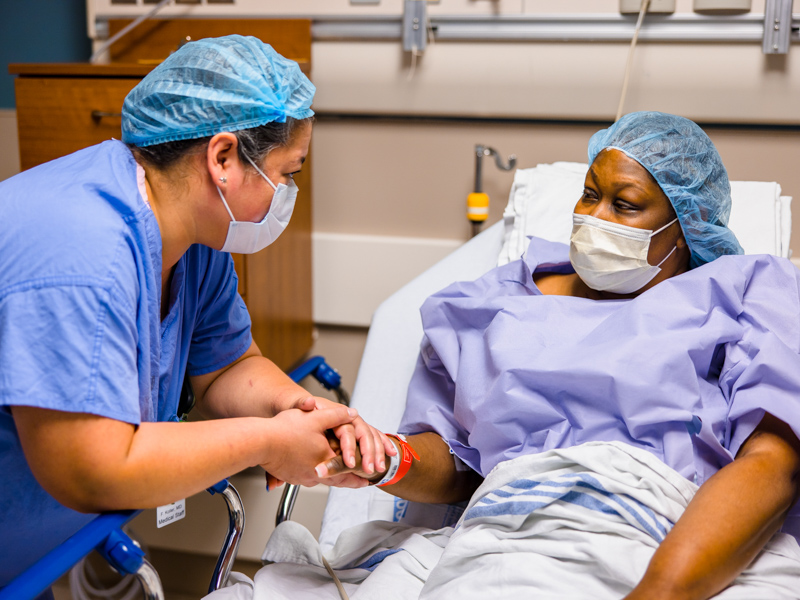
(214, 85)
(685, 163)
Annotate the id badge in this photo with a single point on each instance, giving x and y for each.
(169, 513)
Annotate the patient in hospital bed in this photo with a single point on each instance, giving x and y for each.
(620, 415)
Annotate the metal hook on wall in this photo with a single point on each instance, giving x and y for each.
(477, 201)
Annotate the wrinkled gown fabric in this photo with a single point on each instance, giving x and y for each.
(684, 371)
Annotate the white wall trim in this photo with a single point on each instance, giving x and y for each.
(353, 274)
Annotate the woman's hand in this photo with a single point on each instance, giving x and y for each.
(301, 442)
(254, 386)
(362, 448)
(338, 474)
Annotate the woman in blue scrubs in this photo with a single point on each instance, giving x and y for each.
(116, 282)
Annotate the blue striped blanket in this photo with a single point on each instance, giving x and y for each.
(573, 523)
(578, 523)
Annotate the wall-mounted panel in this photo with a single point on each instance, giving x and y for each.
(104, 8)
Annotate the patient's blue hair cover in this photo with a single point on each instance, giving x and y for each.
(684, 162)
(214, 85)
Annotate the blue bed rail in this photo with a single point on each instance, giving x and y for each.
(40, 576)
(105, 534)
(326, 375)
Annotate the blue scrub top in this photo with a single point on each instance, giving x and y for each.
(80, 322)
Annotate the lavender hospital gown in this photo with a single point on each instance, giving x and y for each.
(685, 370)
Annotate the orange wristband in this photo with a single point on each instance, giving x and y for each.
(407, 455)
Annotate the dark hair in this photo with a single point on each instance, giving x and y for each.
(255, 142)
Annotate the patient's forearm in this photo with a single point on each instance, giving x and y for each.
(434, 477)
(727, 523)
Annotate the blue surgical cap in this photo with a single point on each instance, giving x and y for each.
(214, 85)
(685, 163)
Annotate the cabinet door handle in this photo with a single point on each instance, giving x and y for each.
(99, 114)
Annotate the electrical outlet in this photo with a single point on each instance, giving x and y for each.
(656, 6)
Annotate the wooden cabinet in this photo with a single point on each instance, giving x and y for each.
(62, 108)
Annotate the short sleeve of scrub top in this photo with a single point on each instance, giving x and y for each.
(221, 332)
(71, 289)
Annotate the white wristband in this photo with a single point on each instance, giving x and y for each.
(394, 464)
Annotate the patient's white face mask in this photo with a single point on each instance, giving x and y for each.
(610, 257)
(245, 237)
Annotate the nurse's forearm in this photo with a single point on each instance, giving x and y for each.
(252, 386)
(728, 522)
(255, 386)
(93, 464)
(166, 461)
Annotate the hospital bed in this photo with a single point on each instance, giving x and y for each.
(540, 204)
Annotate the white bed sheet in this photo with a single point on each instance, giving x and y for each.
(567, 523)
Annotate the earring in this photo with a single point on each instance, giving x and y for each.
(223, 179)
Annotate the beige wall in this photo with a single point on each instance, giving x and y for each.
(411, 178)
(342, 348)
(717, 83)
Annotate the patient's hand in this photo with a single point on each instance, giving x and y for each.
(338, 474)
(361, 450)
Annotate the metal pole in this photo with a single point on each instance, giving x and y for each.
(286, 506)
(151, 584)
(231, 546)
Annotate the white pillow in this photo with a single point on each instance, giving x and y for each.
(758, 217)
(542, 200)
(541, 203)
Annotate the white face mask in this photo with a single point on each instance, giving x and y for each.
(610, 257)
(245, 237)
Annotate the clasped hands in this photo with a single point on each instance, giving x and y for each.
(346, 454)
